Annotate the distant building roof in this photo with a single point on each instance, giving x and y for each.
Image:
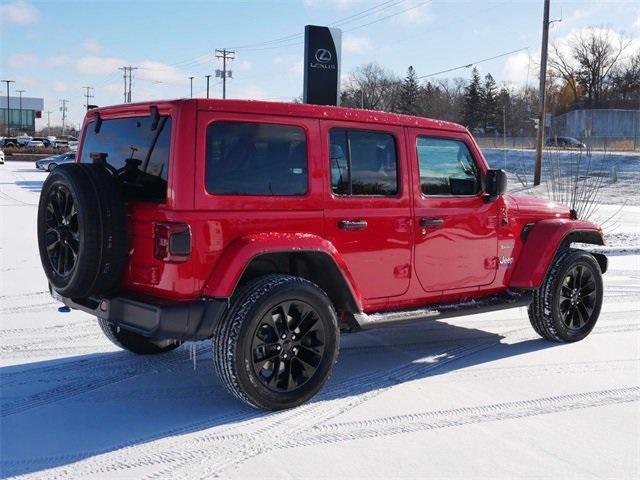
(28, 103)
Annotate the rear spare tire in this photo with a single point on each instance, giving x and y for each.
(82, 231)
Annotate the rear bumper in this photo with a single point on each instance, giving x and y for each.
(184, 321)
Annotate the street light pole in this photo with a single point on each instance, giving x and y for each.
(208, 77)
(20, 92)
(191, 81)
(8, 115)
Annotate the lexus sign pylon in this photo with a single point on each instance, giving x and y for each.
(322, 47)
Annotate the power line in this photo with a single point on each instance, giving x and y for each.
(469, 65)
(127, 81)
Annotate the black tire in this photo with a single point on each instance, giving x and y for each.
(135, 343)
(51, 167)
(241, 365)
(567, 305)
(82, 234)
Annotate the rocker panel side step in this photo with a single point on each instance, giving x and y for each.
(491, 303)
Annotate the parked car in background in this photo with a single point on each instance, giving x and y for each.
(22, 140)
(1, 157)
(564, 142)
(34, 143)
(59, 143)
(9, 142)
(45, 141)
(52, 162)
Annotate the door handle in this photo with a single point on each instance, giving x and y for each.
(352, 224)
(431, 222)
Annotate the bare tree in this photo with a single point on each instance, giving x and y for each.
(596, 54)
(371, 87)
(561, 66)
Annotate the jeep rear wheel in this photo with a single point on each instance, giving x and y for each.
(134, 342)
(567, 305)
(276, 346)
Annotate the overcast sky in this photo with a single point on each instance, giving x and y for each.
(54, 48)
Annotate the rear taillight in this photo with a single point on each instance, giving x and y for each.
(172, 242)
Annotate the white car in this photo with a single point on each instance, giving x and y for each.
(34, 144)
(1, 157)
(23, 140)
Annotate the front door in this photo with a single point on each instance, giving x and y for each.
(455, 227)
(368, 205)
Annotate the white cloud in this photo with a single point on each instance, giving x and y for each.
(250, 93)
(297, 68)
(413, 13)
(355, 45)
(517, 67)
(91, 46)
(19, 12)
(59, 86)
(58, 61)
(159, 72)
(637, 22)
(22, 60)
(242, 66)
(93, 65)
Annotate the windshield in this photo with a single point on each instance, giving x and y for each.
(140, 154)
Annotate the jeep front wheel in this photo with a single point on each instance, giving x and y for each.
(567, 305)
(276, 346)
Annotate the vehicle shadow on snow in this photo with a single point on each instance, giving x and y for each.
(30, 185)
(58, 412)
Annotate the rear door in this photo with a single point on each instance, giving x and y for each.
(455, 227)
(367, 204)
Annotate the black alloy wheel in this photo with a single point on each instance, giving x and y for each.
(62, 235)
(288, 346)
(577, 299)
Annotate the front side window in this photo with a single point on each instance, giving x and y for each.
(133, 144)
(256, 159)
(446, 167)
(363, 163)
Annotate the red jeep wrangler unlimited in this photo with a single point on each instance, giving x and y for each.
(271, 227)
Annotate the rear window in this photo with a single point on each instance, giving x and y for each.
(256, 159)
(131, 143)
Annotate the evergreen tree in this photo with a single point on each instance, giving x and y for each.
(489, 102)
(473, 101)
(409, 94)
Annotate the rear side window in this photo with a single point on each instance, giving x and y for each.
(256, 159)
(363, 163)
(131, 141)
(446, 167)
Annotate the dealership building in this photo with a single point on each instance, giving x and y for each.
(22, 114)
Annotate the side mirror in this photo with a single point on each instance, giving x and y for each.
(495, 182)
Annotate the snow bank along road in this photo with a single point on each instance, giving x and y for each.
(476, 396)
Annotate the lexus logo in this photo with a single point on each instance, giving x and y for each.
(323, 55)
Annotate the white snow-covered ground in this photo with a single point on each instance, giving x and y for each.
(477, 396)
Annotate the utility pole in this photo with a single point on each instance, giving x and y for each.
(225, 55)
(8, 116)
(48, 112)
(543, 79)
(63, 109)
(88, 95)
(191, 81)
(130, 75)
(20, 92)
(127, 81)
(124, 75)
(208, 77)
